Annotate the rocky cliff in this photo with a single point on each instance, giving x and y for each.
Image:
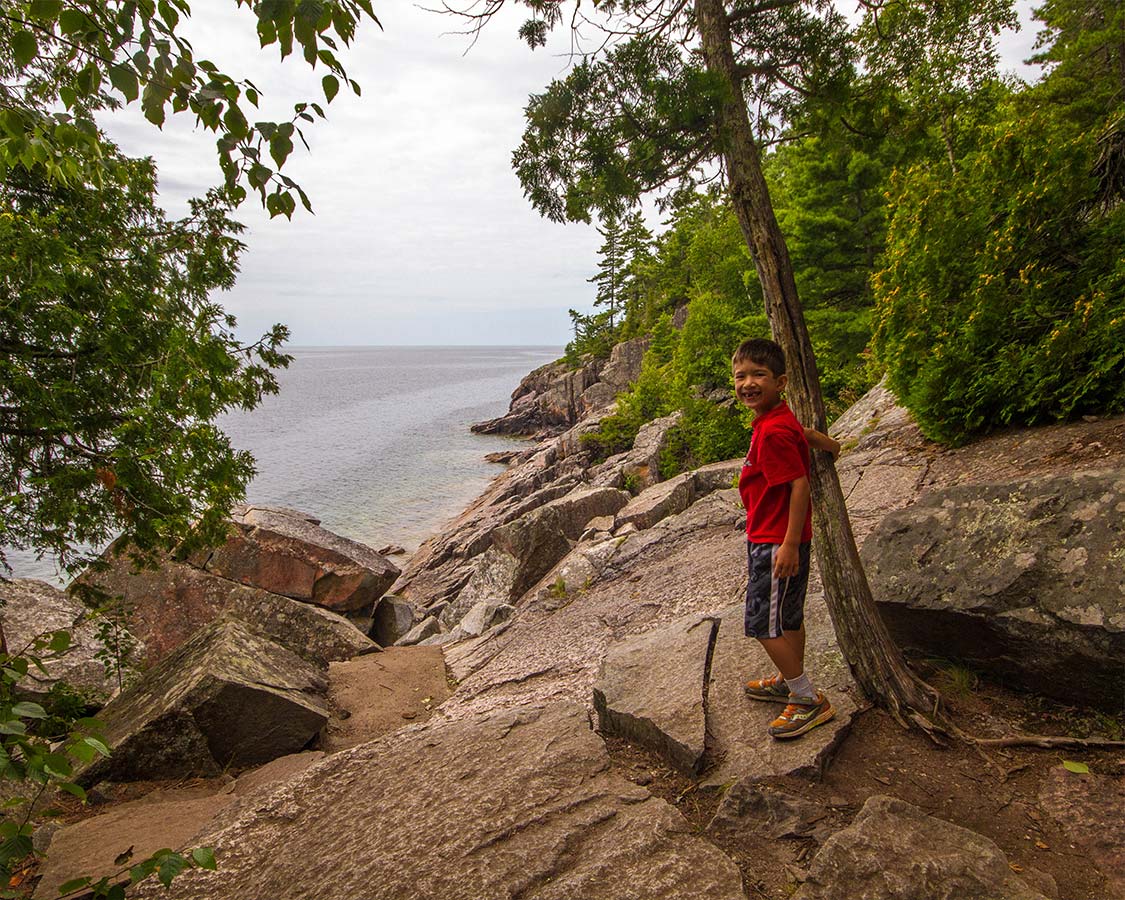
(581, 623)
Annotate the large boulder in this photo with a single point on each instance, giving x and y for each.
(1022, 579)
(894, 851)
(518, 803)
(287, 553)
(30, 609)
(170, 603)
(225, 698)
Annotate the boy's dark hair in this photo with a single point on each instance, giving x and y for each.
(763, 352)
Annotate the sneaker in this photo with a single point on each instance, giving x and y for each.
(772, 688)
(801, 714)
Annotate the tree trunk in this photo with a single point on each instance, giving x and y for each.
(875, 660)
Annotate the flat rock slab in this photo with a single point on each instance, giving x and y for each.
(894, 851)
(1088, 808)
(742, 746)
(225, 698)
(382, 693)
(651, 690)
(30, 608)
(167, 817)
(519, 803)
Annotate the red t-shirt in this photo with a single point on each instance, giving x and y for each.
(778, 455)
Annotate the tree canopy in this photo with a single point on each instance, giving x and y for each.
(64, 62)
(115, 357)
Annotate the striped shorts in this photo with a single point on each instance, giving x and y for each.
(773, 605)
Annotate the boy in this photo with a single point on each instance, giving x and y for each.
(774, 485)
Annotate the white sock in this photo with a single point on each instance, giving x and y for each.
(800, 686)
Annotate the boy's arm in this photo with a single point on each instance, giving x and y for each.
(787, 560)
(818, 440)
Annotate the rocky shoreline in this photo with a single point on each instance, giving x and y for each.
(575, 593)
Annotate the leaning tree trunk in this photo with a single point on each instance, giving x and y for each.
(875, 660)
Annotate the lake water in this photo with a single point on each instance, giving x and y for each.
(374, 441)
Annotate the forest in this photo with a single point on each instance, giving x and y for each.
(963, 237)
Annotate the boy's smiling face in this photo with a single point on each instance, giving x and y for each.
(756, 386)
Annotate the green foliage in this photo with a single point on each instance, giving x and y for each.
(41, 749)
(115, 362)
(62, 63)
(1002, 296)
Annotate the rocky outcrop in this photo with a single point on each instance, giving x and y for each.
(225, 698)
(524, 550)
(894, 851)
(1022, 579)
(32, 609)
(658, 502)
(554, 396)
(517, 803)
(168, 604)
(288, 553)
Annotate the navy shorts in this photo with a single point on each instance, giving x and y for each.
(774, 606)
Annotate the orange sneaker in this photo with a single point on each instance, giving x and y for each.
(802, 714)
(772, 688)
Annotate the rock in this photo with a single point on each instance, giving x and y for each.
(1046, 600)
(737, 725)
(170, 603)
(894, 851)
(876, 420)
(717, 476)
(1088, 810)
(484, 615)
(394, 549)
(30, 608)
(557, 823)
(428, 627)
(642, 464)
(658, 502)
(651, 690)
(225, 698)
(526, 549)
(771, 812)
(284, 553)
(313, 633)
(166, 817)
(555, 396)
(393, 618)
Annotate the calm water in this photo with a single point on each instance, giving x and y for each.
(374, 441)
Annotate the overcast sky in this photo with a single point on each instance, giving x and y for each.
(421, 233)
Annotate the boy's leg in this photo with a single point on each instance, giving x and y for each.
(782, 640)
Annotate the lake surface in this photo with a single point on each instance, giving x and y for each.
(374, 441)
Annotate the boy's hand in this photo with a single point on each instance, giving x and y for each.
(786, 561)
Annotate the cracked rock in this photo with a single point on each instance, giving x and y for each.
(651, 690)
(225, 698)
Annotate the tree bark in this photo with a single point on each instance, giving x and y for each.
(875, 660)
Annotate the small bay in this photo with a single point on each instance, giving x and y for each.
(373, 441)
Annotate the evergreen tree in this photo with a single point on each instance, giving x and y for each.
(611, 274)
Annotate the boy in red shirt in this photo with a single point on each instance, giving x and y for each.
(774, 485)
